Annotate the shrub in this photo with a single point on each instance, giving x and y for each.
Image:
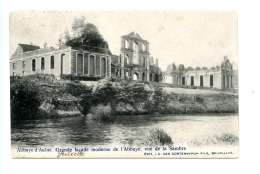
(158, 137)
(102, 114)
(25, 99)
(77, 89)
(228, 139)
(79, 77)
(224, 139)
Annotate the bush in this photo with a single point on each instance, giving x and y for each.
(77, 89)
(79, 77)
(102, 114)
(158, 137)
(25, 99)
(224, 139)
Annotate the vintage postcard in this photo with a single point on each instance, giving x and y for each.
(124, 84)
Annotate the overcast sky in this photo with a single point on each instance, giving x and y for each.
(193, 38)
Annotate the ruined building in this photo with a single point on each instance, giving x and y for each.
(223, 76)
(134, 61)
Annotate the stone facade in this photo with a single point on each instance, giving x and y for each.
(134, 61)
(65, 60)
(222, 77)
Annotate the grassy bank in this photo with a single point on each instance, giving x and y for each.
(41, 96)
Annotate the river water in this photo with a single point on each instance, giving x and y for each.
(128, 130)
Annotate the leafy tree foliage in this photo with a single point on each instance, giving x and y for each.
(197, 68)
(181, 68)
(85, 33)
(189, 68)
(25, 99)
(204, 68)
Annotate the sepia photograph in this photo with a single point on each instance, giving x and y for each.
(124, 84)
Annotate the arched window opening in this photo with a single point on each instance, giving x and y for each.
(80, 64)
(52, 62)
(103, 67)
(143, 62)
(192, 81)
(126, 74)
(62, 63)
(136, 76)
(201, 80)
(183, 80)
(23, 64)
(126, 44)
(211, 80)
(92, 65)
(42, 63)
(13, 65)
(33, 65)
(135, 54)
(119, 59)
(117, 73)
(143, 76)
(224, 80)
(126, 59)
(143, 47)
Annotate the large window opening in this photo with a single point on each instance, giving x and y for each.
(183, 80)
(52, 62)
(228, 81)
(126, 44)
(126, 59)
(211, 80)
(143, 76)
(117, 73)
(23, 64)
(126, 74)
(201, 80)
(224, 80)
(231, 85)
(42, 63)
(80, 64)
(62, 64)
(13, 65)
(192, 80)
(143, 62)
(136, 76)
(33, 65)
(135, 54)
(143, 47)
(103, 67)
(92, 65)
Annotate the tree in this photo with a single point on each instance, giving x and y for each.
(60, 42)
(45, 45)
(181, 68)
(78, 26)
(204, 68)
(66, 35)
(197, 68)
(212, 68)
(189, 68)
(85, 33)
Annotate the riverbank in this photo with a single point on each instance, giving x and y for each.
(42, 97)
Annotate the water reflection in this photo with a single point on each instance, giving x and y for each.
(129, 130)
